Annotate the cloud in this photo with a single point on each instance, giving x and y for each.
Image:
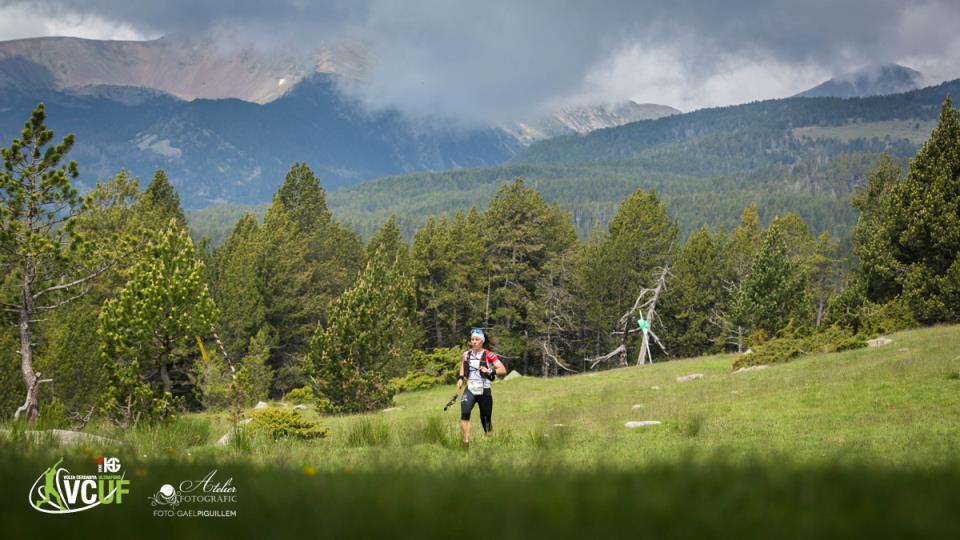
(502, 59)
(23, 20)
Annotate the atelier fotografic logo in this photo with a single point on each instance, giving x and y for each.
(58, 491)
(190, 493)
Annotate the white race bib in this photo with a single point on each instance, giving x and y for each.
(475, 386)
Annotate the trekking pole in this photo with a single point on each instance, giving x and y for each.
(452, 401)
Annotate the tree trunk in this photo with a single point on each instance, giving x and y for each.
(164, 374)
(31, 405)
(623, 344)
(821, 307)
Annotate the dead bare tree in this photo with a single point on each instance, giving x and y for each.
(557, 315)
(646, 304)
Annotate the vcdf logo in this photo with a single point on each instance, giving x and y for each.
(57, 491)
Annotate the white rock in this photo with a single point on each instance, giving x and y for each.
(637, 406)
(642, 423)
(690, 377)
(654, 387)
(879, 342)
(228, 436)
(750, 368)
(559, 425)
(299, 407)
(391, 409)
(262, 405)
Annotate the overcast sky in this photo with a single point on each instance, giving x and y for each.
(497, 59)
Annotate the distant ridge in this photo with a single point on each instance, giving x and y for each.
(879, 80)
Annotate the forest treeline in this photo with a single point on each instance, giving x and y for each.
(115, 312)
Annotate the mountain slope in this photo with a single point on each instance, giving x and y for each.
(186, 68)
(580, 120)
(759, 129)
(230, 150)
(880, 80)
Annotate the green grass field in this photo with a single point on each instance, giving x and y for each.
(862, 443)
(915, 131)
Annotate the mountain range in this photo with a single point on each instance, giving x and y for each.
(226, 123)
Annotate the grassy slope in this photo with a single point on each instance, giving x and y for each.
(915, 131)
(854, 444)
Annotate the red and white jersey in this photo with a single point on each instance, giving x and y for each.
(472, 362)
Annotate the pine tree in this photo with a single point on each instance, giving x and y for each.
(147, 333)
(696, 291)
(448, 260)
(306, 260)
(45, 261)
(908, 237)
(773, 294)
(367, 327)
(522, 234)
(731, 317)
(68, 350)
(388, 241)
(160, 203)
(641, 239)
(235, 286)
(873, 238)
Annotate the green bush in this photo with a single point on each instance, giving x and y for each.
(284, 423)
(306, 395)
(790, 344)
(301, 396)
(891, 317)
(429, 369)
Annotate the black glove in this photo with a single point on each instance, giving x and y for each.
(492, 374)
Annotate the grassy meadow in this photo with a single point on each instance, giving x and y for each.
(862, 443)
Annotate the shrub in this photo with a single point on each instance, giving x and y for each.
(789, 344)
(306, 395)
(301, 396)
(430, 368)
(284, 423)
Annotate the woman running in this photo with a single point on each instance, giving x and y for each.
(478, 367)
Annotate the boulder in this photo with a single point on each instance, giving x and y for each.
(262, 405)
(637, 406)
(228, 436)
(879, 342)
(690, 377)
(512, 375)
(641, 423)
(391, 409)
(751, 368)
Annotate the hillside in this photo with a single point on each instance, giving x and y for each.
(755, 131)
(863, 442)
